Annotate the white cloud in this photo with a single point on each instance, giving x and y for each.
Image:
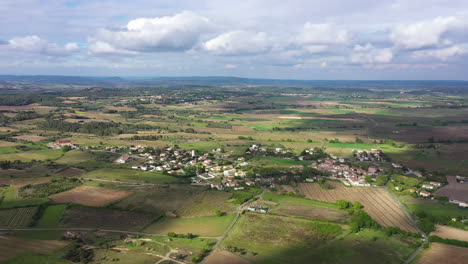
(238, 42)
(424, 34)
(368, 54)
(170, 33)
(442, 54)
(34, 44)
(99, 47)
(322, 34)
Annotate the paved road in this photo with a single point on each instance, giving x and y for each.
(426, 240)
(239, 211)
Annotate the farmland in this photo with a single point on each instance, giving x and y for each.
(182, 159)
(90, 196)
(205, 204)
(16, 218)
(88, 217)
(159, 199)
(377, 202)
(10, 248)
(131, 176)
(211, 226)
(450, 233)
(441, 253)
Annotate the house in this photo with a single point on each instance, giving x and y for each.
(424, 194)
(428, 186)
(122, 159)
(230, 173)
(309, 180)
(206, 176)
(436, 184)
(60, 144)
(250, 183)
(372, 170)
(218, 186)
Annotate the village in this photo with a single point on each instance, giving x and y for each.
(220, 170)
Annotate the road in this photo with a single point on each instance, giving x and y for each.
(239, 211)
(426, 240)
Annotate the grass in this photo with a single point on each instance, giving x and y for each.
(33, 155)
(280, 161)
(131, 176)
(29, 258)
(211, 226)
(306, 202)
(50, 219)
(10, 200)
(439, 210)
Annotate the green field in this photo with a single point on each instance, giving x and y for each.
(131, 176)
(439, 210)
(33, 155)
(292, 240)
(29, 258)
(212, 226)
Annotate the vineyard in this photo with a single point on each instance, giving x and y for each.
(205, 204)
(16, 218)
(377, 202)
(13, 246)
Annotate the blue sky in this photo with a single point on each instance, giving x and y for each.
(302, 39)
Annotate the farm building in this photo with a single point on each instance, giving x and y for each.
(61, 143)
(122, 159)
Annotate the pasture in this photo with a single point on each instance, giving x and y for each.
(377, 202)
(205, 204)
(299, 207)
(33, 155)
(90, 196)
(441, 253)
(211, 226)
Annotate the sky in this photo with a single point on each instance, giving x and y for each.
(294, 39)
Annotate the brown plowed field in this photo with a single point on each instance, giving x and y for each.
(446, 254)
(90, 196)
(450, 233)
(377, 202)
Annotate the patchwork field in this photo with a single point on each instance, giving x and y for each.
(441, 253)
(13, 246)
(32, 138)
(450, 233)
(211, 226)
(90, 196)
(205, 204)
(377, 202)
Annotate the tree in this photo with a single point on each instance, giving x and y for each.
(343, 204)
(218, 213)
(381, 180)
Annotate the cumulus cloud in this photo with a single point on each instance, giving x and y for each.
(368, 54)
(322, 34)
(424, 34)
(442, 54)
(170, 33)
(99, 47)
(238, 43)
(34, 44)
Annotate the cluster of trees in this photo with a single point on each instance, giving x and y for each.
(45, 189)
(97, 128)
(188, 235)
(79, 254)
(316, 154)
(219, 125)
(359, 218)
